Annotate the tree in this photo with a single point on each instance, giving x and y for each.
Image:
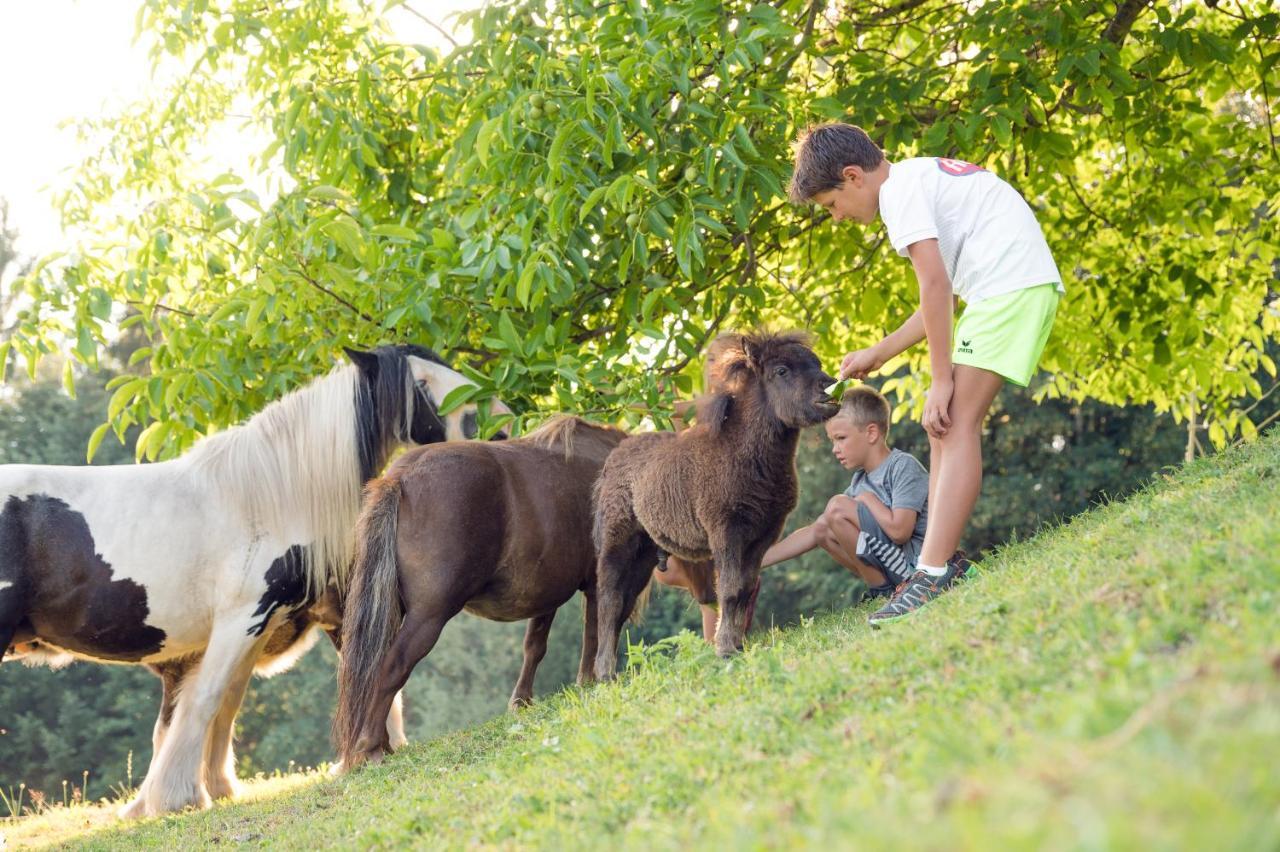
(579, 198)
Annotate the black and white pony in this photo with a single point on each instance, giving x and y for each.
(217, 563)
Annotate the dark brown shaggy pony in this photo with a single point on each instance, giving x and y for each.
(502, 530)
(721, 490)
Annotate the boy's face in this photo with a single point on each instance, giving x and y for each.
(856, 197)
(851, 444)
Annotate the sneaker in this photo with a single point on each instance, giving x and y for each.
(873, 592)
(917, 592)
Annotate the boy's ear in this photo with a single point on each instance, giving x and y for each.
(851, 173)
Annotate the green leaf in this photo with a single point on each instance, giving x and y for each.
(329, 193)
(507, 331)
(400, 232)
(95, 441)
(456, 398)
(68, 378)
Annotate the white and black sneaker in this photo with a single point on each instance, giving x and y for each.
(918, 591)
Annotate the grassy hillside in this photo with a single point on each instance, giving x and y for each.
(1114, 683)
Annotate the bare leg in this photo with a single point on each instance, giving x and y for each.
(956, 478)
(590, 636)
(535, 648)
(838, 534)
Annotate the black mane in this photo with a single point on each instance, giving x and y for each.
(381, 398)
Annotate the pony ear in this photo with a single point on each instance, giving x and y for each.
(752, 353)
(367, 362)
(714, 410)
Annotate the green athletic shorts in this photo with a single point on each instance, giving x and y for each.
(1006, 334)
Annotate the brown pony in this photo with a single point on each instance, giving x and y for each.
(720, 490)
(502, 530)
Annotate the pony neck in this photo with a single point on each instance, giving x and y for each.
(294, 471)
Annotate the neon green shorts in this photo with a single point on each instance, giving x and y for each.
(1006, 334)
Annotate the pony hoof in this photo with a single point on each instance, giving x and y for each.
(518, 704)
(226, 788)
(137, 809)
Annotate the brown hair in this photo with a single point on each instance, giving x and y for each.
(864, 406)
(823, 151)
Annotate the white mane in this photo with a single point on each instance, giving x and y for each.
(294, 469)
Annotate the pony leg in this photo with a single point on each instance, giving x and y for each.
(624, 571)
(737, 580)
(11, 606)
(171, 675)
(395, 723)
(590, 638)
(416, 638)
(535, 648)
(176, 777)
(220, 758)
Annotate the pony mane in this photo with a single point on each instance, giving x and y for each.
(565, 430)
(297, 467)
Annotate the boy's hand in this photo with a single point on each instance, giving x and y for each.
(936, 421)
(860, 364)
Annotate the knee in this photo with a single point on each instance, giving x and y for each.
(841, 510)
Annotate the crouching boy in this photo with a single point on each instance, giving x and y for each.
(875, 528)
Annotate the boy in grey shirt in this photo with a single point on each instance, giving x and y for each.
(875, 528)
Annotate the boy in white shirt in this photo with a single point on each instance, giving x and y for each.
(970, 236)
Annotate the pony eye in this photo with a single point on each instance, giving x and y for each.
(780, 371)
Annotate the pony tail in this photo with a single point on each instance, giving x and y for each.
(372, 614)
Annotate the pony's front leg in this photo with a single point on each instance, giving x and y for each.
(590, 637)
(171, 675)
(395, 723)
(176, 777)
(535, 648)
(220, 758)
(738, 573)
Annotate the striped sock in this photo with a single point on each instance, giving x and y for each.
(931, 570)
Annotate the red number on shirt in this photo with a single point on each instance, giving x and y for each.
(959, 168)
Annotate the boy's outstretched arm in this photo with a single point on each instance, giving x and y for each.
(864, 362)
(936, 309)
(801, 541)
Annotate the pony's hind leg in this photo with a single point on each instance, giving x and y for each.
(535, 648)
(415, 639)
(623, 572)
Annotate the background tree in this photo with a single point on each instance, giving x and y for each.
(576, 200)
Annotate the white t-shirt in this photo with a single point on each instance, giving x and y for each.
(990, 241)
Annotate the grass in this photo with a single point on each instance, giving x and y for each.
(1113, 683)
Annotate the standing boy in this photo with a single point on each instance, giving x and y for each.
(970, 236)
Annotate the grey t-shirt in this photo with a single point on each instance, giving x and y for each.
(900, 482)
